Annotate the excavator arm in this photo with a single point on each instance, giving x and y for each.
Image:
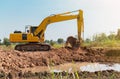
(58, 18)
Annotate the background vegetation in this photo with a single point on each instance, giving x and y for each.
(103, 40)
(97, 40)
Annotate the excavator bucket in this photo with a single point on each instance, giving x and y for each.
(72, 42)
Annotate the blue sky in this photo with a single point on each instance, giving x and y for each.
(99, 16)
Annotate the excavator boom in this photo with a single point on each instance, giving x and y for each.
(61, 17)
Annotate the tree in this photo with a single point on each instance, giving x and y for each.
(118, 34)
(0, 42)
(47, 41)
(52, 42)
(111, 36)
(60, 40)
(6, 42)
(100, 37)
(87, 40)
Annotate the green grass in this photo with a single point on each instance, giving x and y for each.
(87, 75)
(58, 45)
(7, 48)
(106, 43)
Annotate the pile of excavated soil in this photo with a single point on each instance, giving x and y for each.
(12, 60)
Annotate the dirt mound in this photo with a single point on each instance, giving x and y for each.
(12, 60)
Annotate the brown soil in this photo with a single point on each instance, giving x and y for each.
(12, 60)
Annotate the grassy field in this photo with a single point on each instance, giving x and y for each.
(58, 45)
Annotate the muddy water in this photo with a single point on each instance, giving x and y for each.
(100, 67)
(90, 67)
(72, 67)
(57, 68)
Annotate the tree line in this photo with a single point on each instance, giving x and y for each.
(52, 42)
(103, 37)
(6, 41)
(97, 38)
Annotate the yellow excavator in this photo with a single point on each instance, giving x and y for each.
(33, 39)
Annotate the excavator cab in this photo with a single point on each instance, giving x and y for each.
(32, 29)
